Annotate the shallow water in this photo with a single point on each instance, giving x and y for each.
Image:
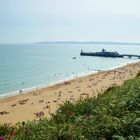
(29, 65)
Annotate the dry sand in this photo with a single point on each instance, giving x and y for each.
(42, 102)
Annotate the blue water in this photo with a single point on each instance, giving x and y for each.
(26, 66)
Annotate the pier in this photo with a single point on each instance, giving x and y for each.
(105, 53)
(130, 56)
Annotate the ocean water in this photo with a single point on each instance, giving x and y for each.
(30, 65)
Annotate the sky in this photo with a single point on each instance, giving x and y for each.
(29, 21)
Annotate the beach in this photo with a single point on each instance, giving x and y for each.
(40, 102)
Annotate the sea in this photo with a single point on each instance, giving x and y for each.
(27, 66)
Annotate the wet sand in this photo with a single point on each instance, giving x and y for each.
(41, 102)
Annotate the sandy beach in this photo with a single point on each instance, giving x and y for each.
(41, 102)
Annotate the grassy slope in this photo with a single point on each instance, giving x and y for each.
(113, 115)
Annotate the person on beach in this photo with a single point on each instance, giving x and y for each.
(20, 91)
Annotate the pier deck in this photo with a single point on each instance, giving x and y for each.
(130, 56)
(105, 53)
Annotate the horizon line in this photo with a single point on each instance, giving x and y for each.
(78, 42)
(91, 42)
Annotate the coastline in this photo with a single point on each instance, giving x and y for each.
(22, 107)
(71, 77)
(39, 87)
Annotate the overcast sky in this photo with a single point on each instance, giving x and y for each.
(29, 21)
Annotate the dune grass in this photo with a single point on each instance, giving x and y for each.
(114, 115)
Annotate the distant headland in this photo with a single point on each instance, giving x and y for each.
(89, 42)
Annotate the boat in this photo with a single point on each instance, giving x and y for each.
(74, 58)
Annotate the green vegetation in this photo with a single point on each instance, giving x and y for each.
(114, 115)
